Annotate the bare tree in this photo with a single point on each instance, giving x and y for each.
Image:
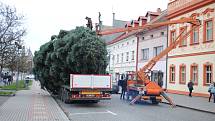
(11, 32)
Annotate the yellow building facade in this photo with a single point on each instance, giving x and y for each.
(194, 58)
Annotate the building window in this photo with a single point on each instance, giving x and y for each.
(208, 30)
(117, 59)
(162, 33)
(194, 73)
(122, 57)
(172, 74)
(133, 41)
(184, 41)
(127, 56)
(145, 53)
(182, 74)
(113, 59)
(143, 38)
(194, 37)
(172, 36)
(132, 55)
(151, 36)
(157, 50)
(207, 73)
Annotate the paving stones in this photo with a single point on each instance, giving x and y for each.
(32, 105)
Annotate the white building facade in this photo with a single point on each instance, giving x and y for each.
(122, 53)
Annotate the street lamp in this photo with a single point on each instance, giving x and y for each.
(17, 63)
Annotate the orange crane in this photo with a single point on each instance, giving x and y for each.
(151, 90)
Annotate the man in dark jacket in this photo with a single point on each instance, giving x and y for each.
(190, 87)
(124, 89)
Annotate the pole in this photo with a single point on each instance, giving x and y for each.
(17, 68)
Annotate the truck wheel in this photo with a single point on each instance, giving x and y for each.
(155, 102)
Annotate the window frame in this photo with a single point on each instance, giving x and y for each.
(127, 56)
(181, 43)
(192, 73)
(180, 74)
(155, 49)
(171, 37)
(192, 36)
(205, 30)
(205, 73)
(147, 53)
(170, 74)
(132, 55)
(122, 58)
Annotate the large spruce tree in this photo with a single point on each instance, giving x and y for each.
(79, 51)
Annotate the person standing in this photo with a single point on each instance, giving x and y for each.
(124, 89)
(190, 87)
(209, 90)
(213, 91)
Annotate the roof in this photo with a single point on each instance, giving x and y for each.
(160, 18)
(116, 24)
(153, 13)
(134, 21)
(122, 36)
(141, 17)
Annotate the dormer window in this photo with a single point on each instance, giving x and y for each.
(162, 33)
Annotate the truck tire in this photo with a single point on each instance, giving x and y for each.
(155, 102)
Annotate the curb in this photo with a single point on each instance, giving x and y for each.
(182, 106)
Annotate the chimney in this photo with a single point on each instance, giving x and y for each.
(159, 10)
(113, 19)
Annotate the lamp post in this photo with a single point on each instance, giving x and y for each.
(17, 63)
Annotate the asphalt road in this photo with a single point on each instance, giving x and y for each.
(120, 110)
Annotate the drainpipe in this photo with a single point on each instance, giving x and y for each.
(137, 53)
(167, 55)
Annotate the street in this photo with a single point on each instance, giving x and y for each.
(120, 110)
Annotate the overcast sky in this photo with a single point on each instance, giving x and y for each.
(45, 18)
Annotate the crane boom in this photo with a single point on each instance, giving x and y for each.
(118, 30)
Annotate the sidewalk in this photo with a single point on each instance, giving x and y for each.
(32, 105)
(196, 103)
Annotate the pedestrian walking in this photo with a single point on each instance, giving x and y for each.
(190, 87)
(209, 90)
(213, 91)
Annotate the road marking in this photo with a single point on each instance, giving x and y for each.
(111, 113)
(87, 113)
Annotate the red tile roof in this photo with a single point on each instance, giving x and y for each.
(141, 17)
(122, 36)
(153, 13)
